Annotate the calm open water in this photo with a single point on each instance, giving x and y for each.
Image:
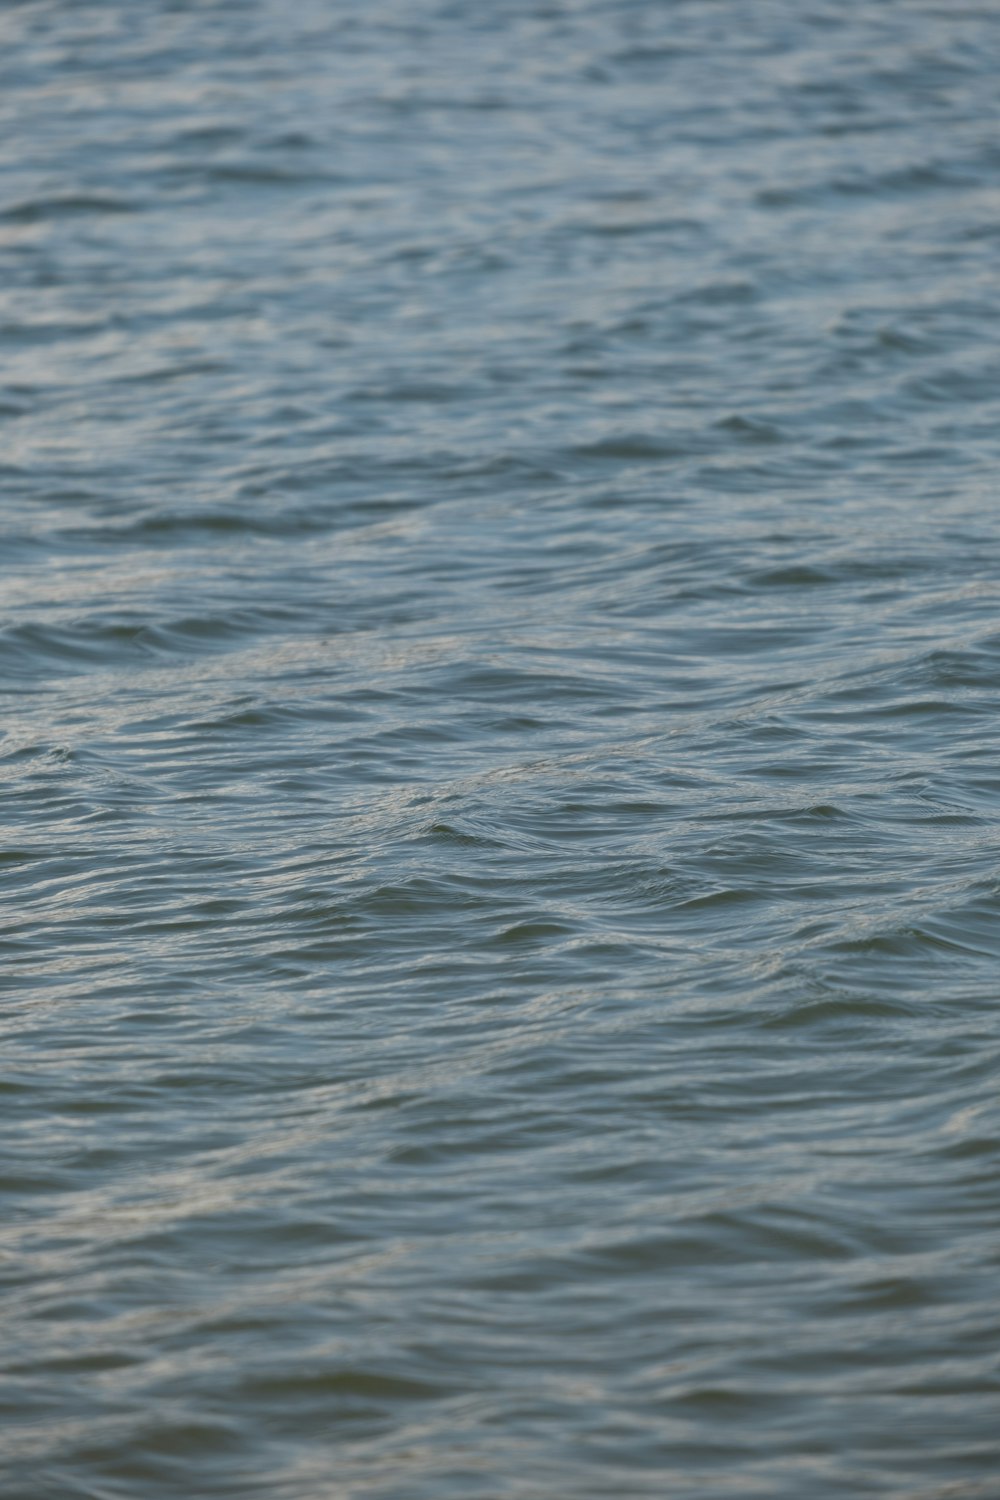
(501, 749)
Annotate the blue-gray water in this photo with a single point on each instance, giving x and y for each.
(501, 749)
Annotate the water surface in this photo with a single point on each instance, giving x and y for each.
(501, 648)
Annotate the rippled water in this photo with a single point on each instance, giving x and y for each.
(501, 853)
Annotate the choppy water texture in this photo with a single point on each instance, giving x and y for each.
(501, 854)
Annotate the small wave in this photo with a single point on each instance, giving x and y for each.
(65, 205)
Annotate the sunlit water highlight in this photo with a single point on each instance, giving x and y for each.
(501, 850)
